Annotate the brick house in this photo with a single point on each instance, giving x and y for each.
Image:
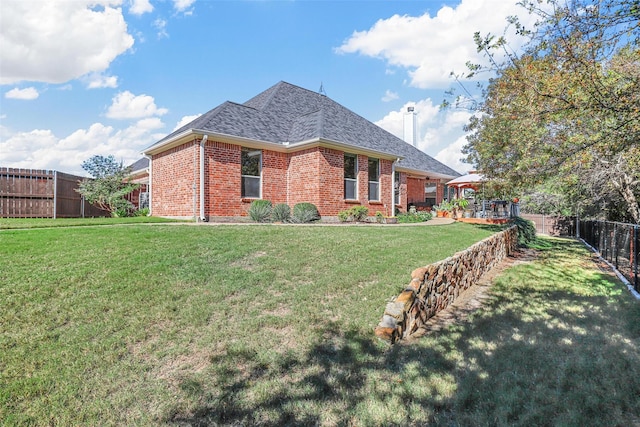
(288, 145)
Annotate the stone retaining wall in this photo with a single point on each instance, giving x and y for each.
(436, 286)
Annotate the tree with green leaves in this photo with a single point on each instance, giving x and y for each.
(109, 186)
(568, 108)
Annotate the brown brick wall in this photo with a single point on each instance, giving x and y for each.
(314, 175)
(172, 181)
(402, 206)
(274, 176)
(303, 177)
(222, 180)
(415, 190)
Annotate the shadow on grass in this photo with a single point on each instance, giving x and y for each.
(554, 345)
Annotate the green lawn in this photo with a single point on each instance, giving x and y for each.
(273, 325)
(16, 223)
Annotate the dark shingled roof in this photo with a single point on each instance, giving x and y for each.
(286, 113)
(139, 164)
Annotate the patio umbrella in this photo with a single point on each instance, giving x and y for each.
(471, 180)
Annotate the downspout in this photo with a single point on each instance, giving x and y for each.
(202, 143)
(149, 184)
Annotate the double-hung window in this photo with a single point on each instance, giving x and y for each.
(350, 176)
(374, 179)
(430, 189)
(251, 172)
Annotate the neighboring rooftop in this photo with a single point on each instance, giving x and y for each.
(139, 165)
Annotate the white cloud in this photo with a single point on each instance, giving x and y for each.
(26, 94)
(140, 7)
(97, 81)
(161, 26)
(41, 149)
(430, 48)
(452, 156)
(126, 105)
(57, 41)
(183, 5)
(436, 129)
(390, 96)
(184, 120)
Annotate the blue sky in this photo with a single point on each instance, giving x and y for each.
(80, 78)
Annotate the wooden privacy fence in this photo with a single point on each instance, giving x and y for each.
(37, 193)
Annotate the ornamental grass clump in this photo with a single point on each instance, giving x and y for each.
(260, 211)
(281, 213)
(305, 212)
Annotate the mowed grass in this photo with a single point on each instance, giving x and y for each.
(18, 223)
(273, 325)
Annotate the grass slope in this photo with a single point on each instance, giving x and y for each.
(272, 325)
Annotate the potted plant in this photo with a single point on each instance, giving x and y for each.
(459, 205)
(444, 209)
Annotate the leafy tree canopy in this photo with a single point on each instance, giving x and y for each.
(568, 108)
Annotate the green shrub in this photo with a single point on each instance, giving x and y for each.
(141, 212)
(359, 213)
(281, 212)
(526, 231)
(122, 208)
(305, 212)
(418, 216)
(356, 213)
(260, 210)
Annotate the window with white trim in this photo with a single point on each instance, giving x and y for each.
(396, 188)
(251, 172)
(350, 176)
(374, 179)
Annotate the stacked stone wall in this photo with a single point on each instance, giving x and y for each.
(434, 287)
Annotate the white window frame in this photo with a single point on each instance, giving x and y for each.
(376, 183)
(352, 181)
(251, 153)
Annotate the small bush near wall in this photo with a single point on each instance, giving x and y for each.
(356, 213)
(305, 212)
(418, 216)
(260, 210)
(526, 231)
(281, 213)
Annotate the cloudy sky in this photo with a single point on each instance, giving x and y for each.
(80, 78)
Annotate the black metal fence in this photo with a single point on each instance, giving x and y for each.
(618, 243)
